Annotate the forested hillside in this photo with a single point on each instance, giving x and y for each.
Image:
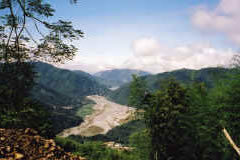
(63, 87)
(179, 121)
(185, 76)
(183, 114)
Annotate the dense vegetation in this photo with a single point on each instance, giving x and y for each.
(186, 121)
(209, 76)
(181, 121)
(52, 98)
(66, 87)
(18, 50)
(59, 88)
(94, 150)
(183, 118)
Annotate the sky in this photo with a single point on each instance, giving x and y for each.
(152, 35)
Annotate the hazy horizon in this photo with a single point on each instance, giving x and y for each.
(154, 36)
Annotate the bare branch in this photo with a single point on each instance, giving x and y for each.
(38, 30)
(24, 22)
(30, 35)
(231, 141)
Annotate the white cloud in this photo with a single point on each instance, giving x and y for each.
(93, 64)
(224, 18)
(145, 47)
(161, 59)
(150, 55)
(153, 56)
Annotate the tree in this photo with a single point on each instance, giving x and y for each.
(205, 120)
(26, 36)
(19, 44)
(141, 144)
(138, 91)
(226, 96)
(164, 121)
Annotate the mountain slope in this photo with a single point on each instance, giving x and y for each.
(185, 76)
(62, 87)
(63, 91)
(118, 77)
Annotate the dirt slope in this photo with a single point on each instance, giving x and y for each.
(20, 144)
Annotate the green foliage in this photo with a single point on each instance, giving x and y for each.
(209, 76)
(17, 108)
(18, 49)
(52, 45)
(16, 81)
(140, 141)
(63, 119)
(164, 121)
(205, 118)
(121, 95)
(85, 110)
(226, 98)
(32, 115)
(64, 87)
(182, 122)
(94, 150)
(121, 134)
(138, 90)
(186, 122)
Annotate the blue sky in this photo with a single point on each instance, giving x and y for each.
(113, 29)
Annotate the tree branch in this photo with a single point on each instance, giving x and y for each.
(13, 24)
(231, 141)
(30, 35)
(28, 15)
(38, 30)
(24, 22)
(8, 41)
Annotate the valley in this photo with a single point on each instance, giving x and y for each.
(106, 116)
(119, 80)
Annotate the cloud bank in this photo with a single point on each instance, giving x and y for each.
(150, 55)
(153, 56)
(224, 18)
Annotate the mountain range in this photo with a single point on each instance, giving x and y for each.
(63, 87)
(209, 76)
(60, 87)
(118, 77)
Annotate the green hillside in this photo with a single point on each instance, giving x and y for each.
(62, 87)
(59, 88)
(185, 76)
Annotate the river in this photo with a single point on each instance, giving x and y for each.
(106, 115)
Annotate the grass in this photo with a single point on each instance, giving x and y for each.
(85, 110)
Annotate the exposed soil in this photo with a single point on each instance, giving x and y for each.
(26, 144)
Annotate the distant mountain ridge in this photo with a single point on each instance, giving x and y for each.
(118, 77)
(62, 87)
(63, 92)
(185, 76)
